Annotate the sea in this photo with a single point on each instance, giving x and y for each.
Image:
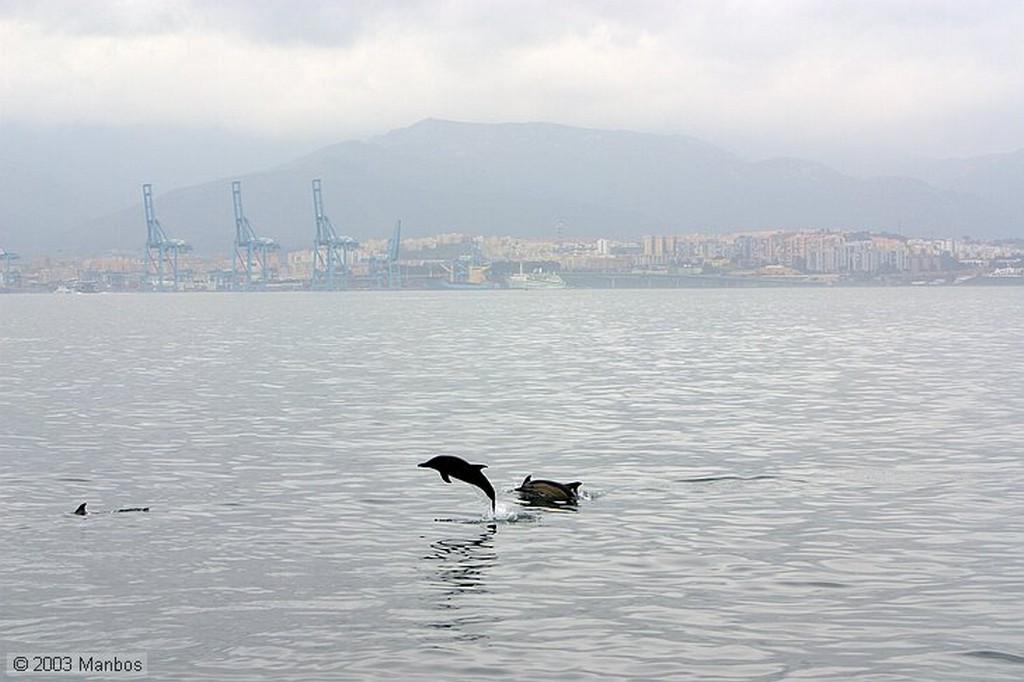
(777, 484)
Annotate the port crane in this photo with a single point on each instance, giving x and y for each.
(384, 269)
(251, 251)
(394, 273)
(469, 269)
(161, 251)
(330, 250)
(7, 256)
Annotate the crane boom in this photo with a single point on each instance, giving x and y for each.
(161, 251)
(330, 250)
(251, 251)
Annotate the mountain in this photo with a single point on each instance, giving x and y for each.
(523, 179)
(996, 178)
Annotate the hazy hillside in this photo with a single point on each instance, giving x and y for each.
(523, 179)
(997, 178)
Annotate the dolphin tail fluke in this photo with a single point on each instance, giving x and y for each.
(574, 487)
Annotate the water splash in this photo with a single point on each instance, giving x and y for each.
(504, 513)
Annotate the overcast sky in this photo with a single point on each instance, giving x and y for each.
(929, 77)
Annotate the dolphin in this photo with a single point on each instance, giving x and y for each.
(455, 467)
(81, 511)
(548, 492)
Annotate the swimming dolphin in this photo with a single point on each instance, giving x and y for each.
(81, 511)
(547, 492)
(455, 467)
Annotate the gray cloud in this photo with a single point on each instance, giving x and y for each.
(931, 77)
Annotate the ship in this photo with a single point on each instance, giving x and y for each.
(538, 279)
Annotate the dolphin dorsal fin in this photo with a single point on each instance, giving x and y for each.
(574, 485)
(527, 479)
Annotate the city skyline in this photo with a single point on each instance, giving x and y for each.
(818, 256)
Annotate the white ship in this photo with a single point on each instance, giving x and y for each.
(537, 279)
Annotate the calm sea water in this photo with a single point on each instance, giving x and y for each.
(779, 485)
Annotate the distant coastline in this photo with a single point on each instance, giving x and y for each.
(806, 258)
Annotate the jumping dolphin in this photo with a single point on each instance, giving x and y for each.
(455, 467)
(547, 492)
(82, 512)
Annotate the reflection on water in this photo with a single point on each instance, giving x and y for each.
(461, 562)
(460, 566)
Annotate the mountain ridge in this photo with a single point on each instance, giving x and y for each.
(523, 179)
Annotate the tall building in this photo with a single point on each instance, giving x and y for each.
(660, 248)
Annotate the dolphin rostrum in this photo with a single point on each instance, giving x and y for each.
(455, 467)
(547, 492)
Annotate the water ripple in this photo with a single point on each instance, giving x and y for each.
(783, 485)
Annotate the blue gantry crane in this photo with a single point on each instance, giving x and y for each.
(161, 251)
(469, 270)
(384, 271)
(251, 251)
(330, 250)
(394, 272)
(7, 277)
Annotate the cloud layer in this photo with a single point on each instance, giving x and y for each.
(928, 77)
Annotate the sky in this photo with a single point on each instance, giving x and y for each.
(817, 78)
